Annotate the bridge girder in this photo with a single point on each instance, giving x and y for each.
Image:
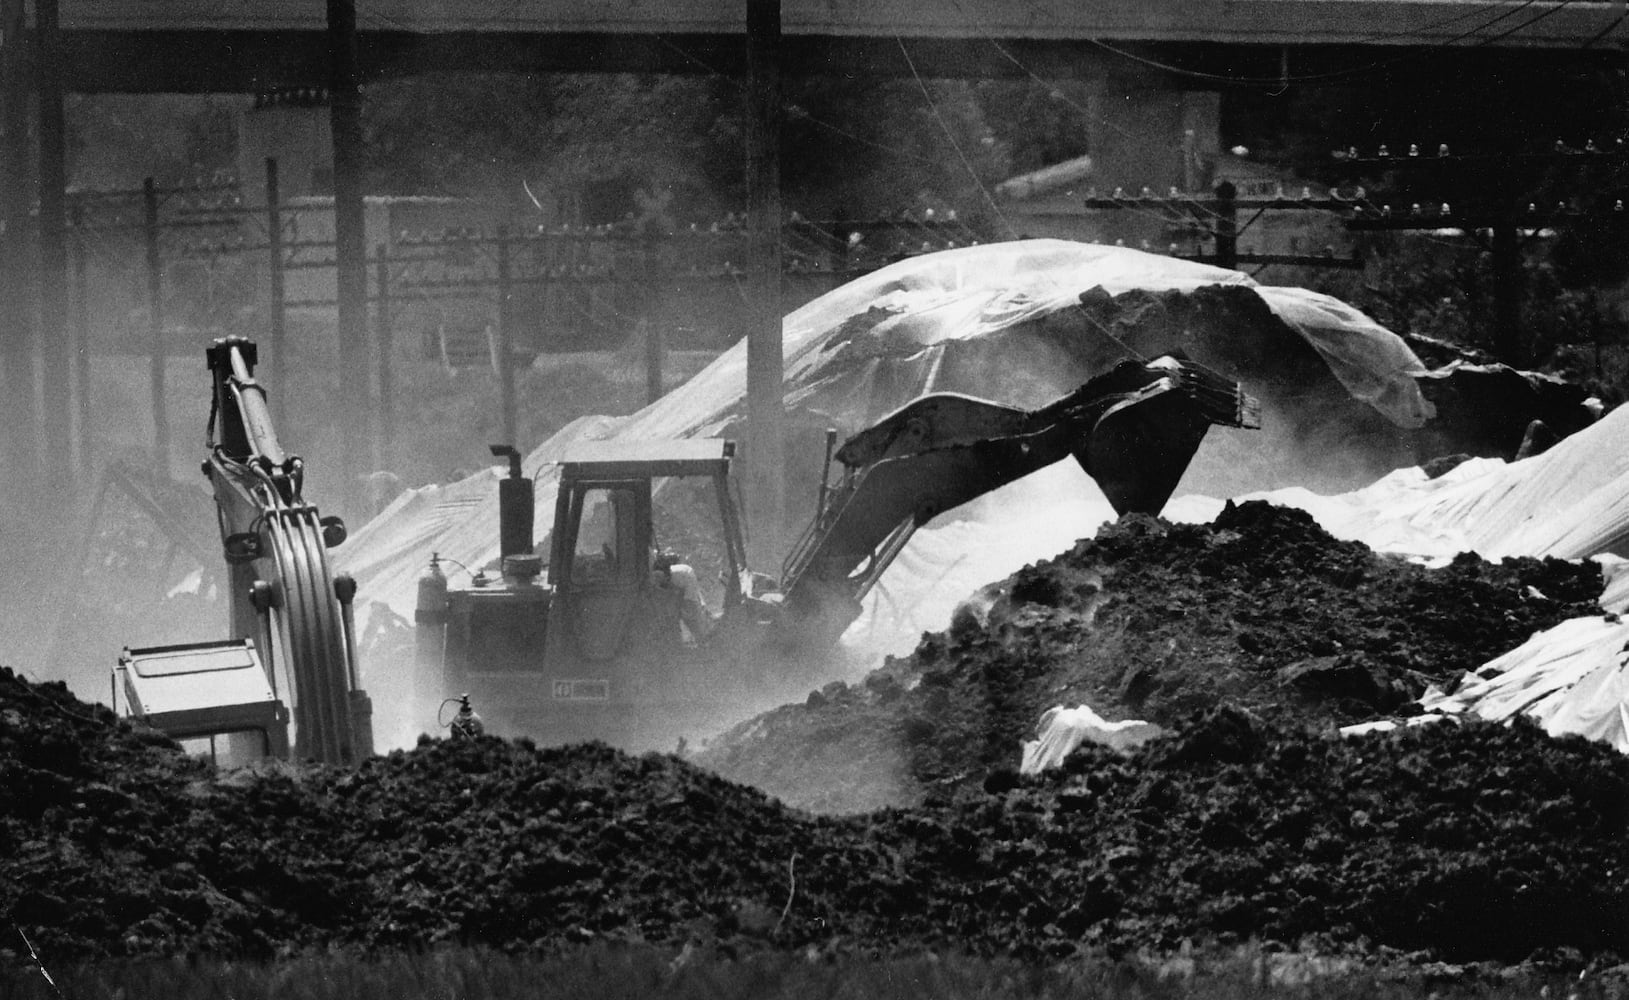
(249, 61)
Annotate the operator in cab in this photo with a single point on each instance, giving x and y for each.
(670, 572)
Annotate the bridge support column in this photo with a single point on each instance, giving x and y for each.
(350, 247)
(766, 447)
(55, 353)
(19, 425)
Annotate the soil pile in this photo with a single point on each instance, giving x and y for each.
(1261, 609)
(1472, 842)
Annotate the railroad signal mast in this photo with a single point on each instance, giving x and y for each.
(1503, 201)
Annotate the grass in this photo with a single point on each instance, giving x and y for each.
(604, 972)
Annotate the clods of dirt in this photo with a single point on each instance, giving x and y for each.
(1458, 843)
(1261, 609)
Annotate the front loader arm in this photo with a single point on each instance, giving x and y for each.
(1133, 429)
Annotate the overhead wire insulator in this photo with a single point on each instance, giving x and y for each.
(1413, 149)
(1442, 149)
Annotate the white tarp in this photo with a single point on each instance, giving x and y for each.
(1062, 730)
(1571, 502)
(1571, 679)
(854, 378)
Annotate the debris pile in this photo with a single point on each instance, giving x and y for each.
(1253, 820)
(1464, 843)
(1261, 609)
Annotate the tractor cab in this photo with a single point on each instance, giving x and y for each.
(611, 592)
(590, 630)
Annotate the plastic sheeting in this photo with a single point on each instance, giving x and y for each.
(867, 348)
(1571, 679)
(1062, 730)
(1571, 502)
(1370, 361)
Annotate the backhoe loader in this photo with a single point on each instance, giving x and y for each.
(588, 636)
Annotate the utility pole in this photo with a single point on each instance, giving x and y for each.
(20, 433)
(506, 341)
(1505, 252)
(766, 446)
(277, 327)
(155, 323)
(1227, 226)
(56, 386)
(1488, 191)
(1217, 217)
(350, 241)
(384, 338)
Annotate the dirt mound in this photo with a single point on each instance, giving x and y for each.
(1459, 840)
(1466, 843)
(1462, 842)
(1261, 609)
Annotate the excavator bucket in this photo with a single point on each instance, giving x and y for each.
(1134, 429)
(1139, 449)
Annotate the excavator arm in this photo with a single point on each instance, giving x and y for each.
(284, 593)
(1133, 429)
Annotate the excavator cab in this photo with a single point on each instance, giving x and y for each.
(214, 698)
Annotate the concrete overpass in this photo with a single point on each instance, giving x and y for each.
(246, 45)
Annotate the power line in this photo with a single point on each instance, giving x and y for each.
(945, 127)
(1410, 56)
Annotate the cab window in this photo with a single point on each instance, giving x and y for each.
(605, 536)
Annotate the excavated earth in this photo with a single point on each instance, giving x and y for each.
(1261, 609)
(1459, 843)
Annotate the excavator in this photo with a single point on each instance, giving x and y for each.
(594, 634)
(292, 658)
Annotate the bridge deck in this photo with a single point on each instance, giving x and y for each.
(243, 45)
(1562, 23)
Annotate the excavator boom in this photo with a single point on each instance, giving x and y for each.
(1134, 429)
(284, 593)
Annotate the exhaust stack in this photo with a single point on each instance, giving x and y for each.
(517, 504)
